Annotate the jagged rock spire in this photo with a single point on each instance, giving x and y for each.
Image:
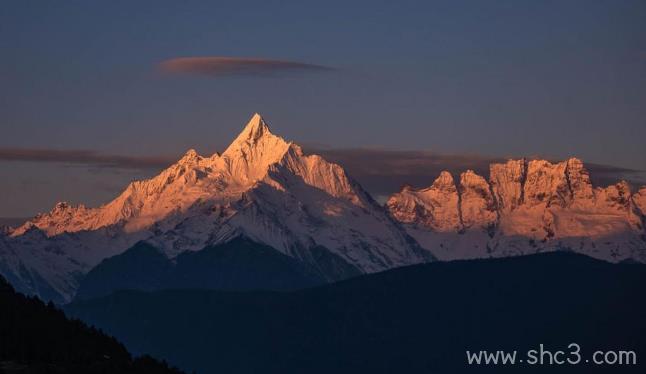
(189, 157)
(444, 181)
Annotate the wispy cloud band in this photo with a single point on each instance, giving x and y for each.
(381, 172)
(84, 157)
(236, 66)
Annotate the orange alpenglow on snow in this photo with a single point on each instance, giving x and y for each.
(265, 189)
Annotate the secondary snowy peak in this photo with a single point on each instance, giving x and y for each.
(317, 172)
(540, 182)
(546, 183)
(435, 207)
(579, 180)
(444, 183)
(616, 196)
(444, 207)
(507, 183)
(549, 205)
(560, 184)
(477, 204)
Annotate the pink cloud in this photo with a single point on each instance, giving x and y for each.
(228, 66)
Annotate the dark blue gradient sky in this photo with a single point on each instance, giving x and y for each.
(496, 78)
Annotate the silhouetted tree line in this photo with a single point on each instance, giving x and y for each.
(38, 338)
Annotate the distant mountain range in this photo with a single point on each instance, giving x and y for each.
(525, 207)
(416, 319)
(306, 215)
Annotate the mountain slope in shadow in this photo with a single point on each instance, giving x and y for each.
(418, 319)
(239, 264)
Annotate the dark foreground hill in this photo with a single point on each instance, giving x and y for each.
(38, 338)
(239, 265)
(419, 319)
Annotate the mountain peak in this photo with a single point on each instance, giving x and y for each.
(254, 149)
(256, 125)
(190, 156)
(255, 129)
(444, 181)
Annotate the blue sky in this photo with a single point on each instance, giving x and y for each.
(494, 79)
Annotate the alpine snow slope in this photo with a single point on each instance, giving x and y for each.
(261, 187)
(526, 207)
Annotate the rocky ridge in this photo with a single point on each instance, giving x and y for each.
(525, 207)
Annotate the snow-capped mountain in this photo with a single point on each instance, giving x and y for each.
(261, 187)
(266, 190)
(526, 207)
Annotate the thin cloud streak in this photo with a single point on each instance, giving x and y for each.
(84, 157)
(381, 172)
(216, 66)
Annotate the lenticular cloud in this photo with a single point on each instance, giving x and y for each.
(231, 66)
